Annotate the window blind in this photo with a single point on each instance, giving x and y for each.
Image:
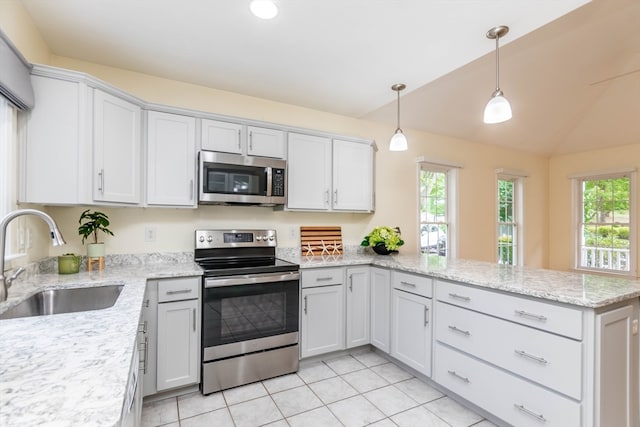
(15, 72)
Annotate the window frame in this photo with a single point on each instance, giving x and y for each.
(577, 218)
(517, 177)
(451, 199)
(9, 122)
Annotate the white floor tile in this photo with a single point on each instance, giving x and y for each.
(390, 400)
(218, 418)
(344, 364)
(332, 390)
(315, 372)
(296, 400)
(452, 412)
(484, 423)
(369, 358)
(320, 417)
(279, 423)
(418, 390)
(391, 372)
(356, 411)
(160, 412)
(418, 417)
(365, 380)
(255, 412)
(384, 423)
(193, 404)
(284, 382)
(244, 393)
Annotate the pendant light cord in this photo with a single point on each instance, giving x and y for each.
(497, 65)
(398, 102)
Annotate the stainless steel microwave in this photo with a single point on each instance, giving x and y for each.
(232, 179)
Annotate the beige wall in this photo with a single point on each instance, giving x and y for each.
(396, 173)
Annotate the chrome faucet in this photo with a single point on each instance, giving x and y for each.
(56, 237)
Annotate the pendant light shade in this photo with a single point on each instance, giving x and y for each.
(398, 140)
(264, 9)
(498, 109)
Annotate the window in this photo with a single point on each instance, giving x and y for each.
(509, 218)
(437, 209)
(604, 228)
(8, 142)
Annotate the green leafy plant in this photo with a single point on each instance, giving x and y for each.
(385, 235)
(94, 222)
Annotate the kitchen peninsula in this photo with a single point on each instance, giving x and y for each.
(74, 368)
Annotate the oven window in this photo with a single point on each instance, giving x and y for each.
(245, 312)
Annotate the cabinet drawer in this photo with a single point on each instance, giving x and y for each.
(178, 289)
(321, 277)
(512, 399)
(420, 285)
(542, 315)
(548, 359)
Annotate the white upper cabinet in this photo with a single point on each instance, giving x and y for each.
(326, 174)
(233, 138)
(116, 138)
(171, 164)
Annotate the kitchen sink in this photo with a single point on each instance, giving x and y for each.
(67, 300)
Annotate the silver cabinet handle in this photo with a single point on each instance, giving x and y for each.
(326, 197)
(194, 320)
(463, 332)
(335, 197)
(460, 297)
(145, 348)
(181, 291)
(142, 327)
(522, 408)
(324, 279)
(460, 377)
(426, 316)
(146, 303)
(523, 313)
(305, 304)
(351, 282)
(250, 141)
(191, 189)
(523, 353)
(239, 140)
(413, 285)
(101, 184)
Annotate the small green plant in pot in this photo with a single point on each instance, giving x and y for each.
(90, 224)
(383, 240)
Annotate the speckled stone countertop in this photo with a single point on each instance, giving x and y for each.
(585, 290)
(72, 369)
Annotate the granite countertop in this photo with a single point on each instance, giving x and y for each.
(72, 369)
(584, 290)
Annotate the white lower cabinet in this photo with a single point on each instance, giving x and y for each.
(380, 308)
(322, 320)
(411, 330)
(357, 307)
(149, 344)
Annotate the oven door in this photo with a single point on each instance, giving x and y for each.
(249, 310)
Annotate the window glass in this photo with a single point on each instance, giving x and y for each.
(508, 240)
(435, 219)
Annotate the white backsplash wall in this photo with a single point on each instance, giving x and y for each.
(173, 229)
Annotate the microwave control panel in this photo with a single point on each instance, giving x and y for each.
(277, 182)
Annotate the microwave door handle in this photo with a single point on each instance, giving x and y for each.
(269, 181)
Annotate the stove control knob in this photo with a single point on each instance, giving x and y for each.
(209, 238)
(201, 238)
(258, 238)
(271, 238)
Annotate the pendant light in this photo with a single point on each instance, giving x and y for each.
(398, 140)
(264, 9)
(498, 109)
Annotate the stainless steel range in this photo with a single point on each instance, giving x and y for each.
(250, 302)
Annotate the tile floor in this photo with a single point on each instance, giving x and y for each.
(353, 390)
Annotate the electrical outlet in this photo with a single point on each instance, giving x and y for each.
(149, 234)
(292, 233)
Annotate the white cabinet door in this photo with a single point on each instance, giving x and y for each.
(56, 152)
(149, 337)
(352, 176)
(221, 136)
(265, 142)
(411, 330)
(322, 320)
(380, 308)
(308, 172)
(171, 164)
(357, 290)
(616, 374)
(178, 344)
(116, 133)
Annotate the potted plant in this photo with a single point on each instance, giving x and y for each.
(93, 223)
(383, 240)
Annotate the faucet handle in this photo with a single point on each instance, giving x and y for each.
(14, 276)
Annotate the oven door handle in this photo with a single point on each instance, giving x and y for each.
(249, 279)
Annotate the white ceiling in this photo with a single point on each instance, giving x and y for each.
(342, 56)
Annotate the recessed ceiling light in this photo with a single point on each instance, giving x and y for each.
(265, 9)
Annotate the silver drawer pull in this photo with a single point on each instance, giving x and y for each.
(460, 297)
(324, 279)
(413, 285)
(142, 327)
(523, 313)
(532, 357)
(460, 377)
(454, 329)
(426, 316)
(539, 417)
(181, 291)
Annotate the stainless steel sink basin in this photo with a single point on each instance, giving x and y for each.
(68, 300)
